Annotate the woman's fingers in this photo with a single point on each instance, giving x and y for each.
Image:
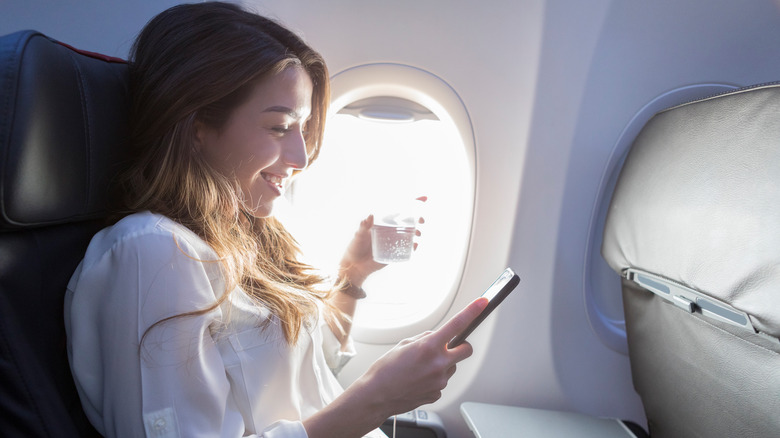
(461, 320)
(451, 371)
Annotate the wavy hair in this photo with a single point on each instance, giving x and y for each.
(197, 63)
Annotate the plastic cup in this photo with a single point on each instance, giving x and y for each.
(392, 237)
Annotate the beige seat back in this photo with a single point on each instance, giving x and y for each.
(694, 228)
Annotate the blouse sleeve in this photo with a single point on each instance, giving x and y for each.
(336, 356)
(140, 377)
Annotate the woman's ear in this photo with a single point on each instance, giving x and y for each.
(201, 133)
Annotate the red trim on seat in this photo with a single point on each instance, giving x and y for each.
(95, 55)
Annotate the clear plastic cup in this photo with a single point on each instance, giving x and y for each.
(392, 236)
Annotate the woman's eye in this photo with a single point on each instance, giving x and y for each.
(281, 129)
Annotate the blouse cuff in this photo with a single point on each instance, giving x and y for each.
(336, 356)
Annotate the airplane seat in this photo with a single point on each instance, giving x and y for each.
(694, 230)
(62, 126)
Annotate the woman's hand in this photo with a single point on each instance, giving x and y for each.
(412, 374)
(416, 370)
(358, 262)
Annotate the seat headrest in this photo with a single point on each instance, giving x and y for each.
(698, 201)
(63, 126)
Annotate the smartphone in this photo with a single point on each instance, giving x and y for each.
(505, 283)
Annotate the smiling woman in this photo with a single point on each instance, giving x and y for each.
(209, 322)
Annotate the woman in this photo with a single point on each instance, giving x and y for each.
(192, 316)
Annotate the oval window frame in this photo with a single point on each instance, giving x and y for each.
(425, 88)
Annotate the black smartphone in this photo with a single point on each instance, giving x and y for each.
(505, 283)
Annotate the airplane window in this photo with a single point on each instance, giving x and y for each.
(386, 144)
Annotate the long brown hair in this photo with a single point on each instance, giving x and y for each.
(198, 62)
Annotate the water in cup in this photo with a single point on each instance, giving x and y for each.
(392, 237)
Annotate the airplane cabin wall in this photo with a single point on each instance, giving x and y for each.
(550, 86)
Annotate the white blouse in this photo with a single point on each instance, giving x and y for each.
(217, 374)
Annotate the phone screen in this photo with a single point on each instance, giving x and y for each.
(501, 287)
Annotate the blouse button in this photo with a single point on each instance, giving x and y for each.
(160, 424)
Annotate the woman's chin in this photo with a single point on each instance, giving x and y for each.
(262, 209)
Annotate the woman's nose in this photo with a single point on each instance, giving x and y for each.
(294, 154)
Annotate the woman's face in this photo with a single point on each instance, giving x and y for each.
(262, 142)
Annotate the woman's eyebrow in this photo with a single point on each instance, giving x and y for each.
(282, 109)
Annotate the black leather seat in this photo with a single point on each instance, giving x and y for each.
(62, 133)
